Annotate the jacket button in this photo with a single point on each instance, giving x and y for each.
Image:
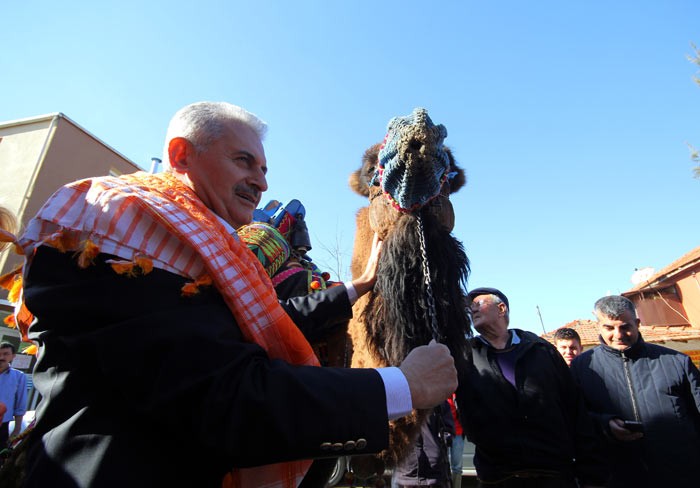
(326, 446)
(337, 446)
(349, 445)
(361, 444)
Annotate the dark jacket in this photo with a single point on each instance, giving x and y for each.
(659, 387)
(143, 387)
(539, 425)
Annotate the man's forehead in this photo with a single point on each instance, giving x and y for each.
(481, 297)
(605, 320)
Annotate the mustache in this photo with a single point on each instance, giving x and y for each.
(248, 189)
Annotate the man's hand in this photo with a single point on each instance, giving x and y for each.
(431, 374)
(618, 431)
(366, 281)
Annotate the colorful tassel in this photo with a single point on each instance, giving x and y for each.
(88, 254)
(192, 288)
(141, 265)
(63, 241)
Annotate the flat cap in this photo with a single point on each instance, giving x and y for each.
(487, 291)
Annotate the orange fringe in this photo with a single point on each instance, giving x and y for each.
(63, 241)
(30, 350)
(141, 265)
(24, 320)
(15, 290)
(191, 289)
(7, 280)
(145, 263)
(10, 321)
(88, 254)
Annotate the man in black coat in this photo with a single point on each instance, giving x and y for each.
(645, 399)
(164, 357)
(521, 407)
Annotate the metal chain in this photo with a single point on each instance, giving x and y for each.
(432, 322)
(432, 313)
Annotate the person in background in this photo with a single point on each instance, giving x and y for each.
(13, 393)
(523, 411)
(645, 399)
(568, 343)
(165, 358)
(457, 447)
(427, 462)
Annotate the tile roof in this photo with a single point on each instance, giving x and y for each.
(588, 330)
(688, 259)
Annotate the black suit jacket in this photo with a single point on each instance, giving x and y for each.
(144, 387)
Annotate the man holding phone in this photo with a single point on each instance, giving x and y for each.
(644, 397)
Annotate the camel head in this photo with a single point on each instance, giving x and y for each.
(411, 170)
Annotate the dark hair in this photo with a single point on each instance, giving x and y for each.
(565, 334)
(614, 306)
(5, 344)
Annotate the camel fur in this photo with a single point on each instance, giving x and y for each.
(393, 318)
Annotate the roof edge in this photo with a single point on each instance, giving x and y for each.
(61, 115)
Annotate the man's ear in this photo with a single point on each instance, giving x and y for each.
(180, 151)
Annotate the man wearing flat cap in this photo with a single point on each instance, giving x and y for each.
(525, 414)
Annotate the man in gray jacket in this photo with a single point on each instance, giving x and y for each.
(645, 399)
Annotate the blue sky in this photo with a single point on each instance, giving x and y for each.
(571, 118)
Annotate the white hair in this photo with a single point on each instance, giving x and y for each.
(496, 299)
(202, 122)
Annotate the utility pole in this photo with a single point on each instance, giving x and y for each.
(540, 315)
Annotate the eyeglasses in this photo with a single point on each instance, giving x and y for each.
(477, 304)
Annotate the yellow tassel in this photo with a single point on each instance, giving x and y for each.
(141, 265)
(191, 289)
(145, 263)
(15, 290)
(30, 350)
(7, 280)
(63, 241)
(88, 254)
(10, 321)
(123, 267)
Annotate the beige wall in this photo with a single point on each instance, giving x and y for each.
(20, 151)
(39, 155)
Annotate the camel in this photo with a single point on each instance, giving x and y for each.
(408, 180)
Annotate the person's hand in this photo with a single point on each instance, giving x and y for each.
(366, 281)
(618, 431)
(431, 374)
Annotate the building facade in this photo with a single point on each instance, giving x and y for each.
(37, 156)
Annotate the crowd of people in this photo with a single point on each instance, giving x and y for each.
(167, 359)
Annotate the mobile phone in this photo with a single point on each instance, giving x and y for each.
(633, 425)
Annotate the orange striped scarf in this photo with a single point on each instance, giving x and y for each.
(160, 218)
